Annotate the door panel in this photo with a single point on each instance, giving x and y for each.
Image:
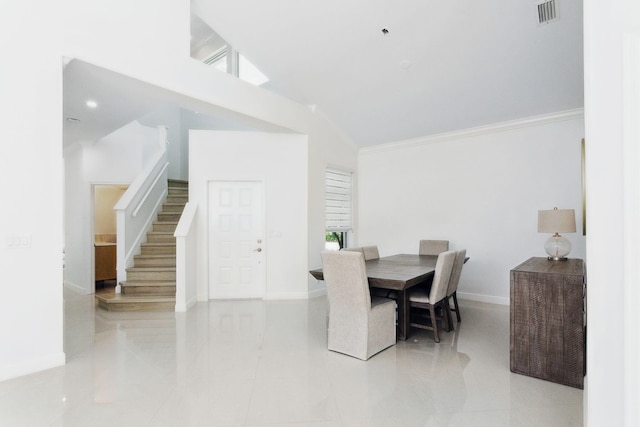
(236, 240)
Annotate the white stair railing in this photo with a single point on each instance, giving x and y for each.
(138, 207)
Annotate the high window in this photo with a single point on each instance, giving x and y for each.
(207, 46)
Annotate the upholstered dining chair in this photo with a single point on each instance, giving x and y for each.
(433, 247)
(370, 252)
(355, 249)
(359, 325)
(437, 295)
(452, 289)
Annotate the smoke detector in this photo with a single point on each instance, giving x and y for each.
(547, 11)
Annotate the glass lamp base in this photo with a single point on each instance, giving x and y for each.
(557, 247)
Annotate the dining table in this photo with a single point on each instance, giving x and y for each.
(398, 273)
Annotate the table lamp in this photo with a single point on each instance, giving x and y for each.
(557, 221)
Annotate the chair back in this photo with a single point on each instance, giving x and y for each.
(456, 271)
(356, 249)
(345, 275)
(370, 252)
(433, 247)
(441, 276)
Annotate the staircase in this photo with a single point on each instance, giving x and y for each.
(151, 282)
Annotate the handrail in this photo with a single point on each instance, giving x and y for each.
(137, 208)
(149, 190)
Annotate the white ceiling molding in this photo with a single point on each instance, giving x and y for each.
(561, 116)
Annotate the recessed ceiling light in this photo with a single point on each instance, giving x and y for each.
(92, 104)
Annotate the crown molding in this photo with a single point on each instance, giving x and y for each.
(544, 119)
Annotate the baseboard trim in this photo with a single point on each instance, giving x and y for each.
(32, 366)
(76, 288)
(286, 296)
(483, 298)
(317, 293)
(181, 308)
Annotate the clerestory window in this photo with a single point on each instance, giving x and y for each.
(207, 46)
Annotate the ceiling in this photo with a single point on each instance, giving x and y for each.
(441, 66)
(122, 99)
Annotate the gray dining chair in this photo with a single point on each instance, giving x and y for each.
(433, 247)
(355, 249)
(359, 325)
(436, 297)
(452, 289)
(370, 252)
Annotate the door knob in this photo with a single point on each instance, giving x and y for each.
(258, 250)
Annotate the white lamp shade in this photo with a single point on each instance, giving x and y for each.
(557, 221)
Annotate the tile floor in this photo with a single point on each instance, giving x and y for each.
(265, 363)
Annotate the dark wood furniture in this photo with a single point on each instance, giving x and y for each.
(398, 273)
(105, 261)
(547, 320)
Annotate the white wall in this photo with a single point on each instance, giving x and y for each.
(170, 117)
(31, 171)
(115, 159)
(124, 37)
(328, 147)
(105, 198)
(480, 189)
(280, 162)
(611, 29)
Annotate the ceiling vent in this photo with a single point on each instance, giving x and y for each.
(547, 11)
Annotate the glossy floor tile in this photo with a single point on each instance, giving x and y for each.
(265, 363)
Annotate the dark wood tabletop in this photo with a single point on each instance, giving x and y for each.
(399, 273)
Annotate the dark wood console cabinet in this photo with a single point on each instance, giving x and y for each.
(547, 320)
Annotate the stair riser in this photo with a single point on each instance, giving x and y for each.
(178, 184)
(168, 291)
(178, 192)
(155, 262)
(177, 199)
(159, 226)
(138, 306)
(158, 250)
(173, 208)
(160, 238)
(169, 276)
(172, 216)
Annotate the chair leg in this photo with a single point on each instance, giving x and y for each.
(447, 313)
(457, 308)
(434, 323)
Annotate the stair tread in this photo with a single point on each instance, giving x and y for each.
(119, 298)
(154, 256)
(148, 283)
(157, 244)
(160, 268)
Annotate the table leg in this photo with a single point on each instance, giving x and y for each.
(404, 318)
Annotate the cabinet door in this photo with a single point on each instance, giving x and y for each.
(547, 332)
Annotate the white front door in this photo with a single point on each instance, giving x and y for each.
(236, 240)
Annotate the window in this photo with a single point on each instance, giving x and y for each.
(207, 46)
(338, 190)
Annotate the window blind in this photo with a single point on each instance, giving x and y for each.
(338, 200)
